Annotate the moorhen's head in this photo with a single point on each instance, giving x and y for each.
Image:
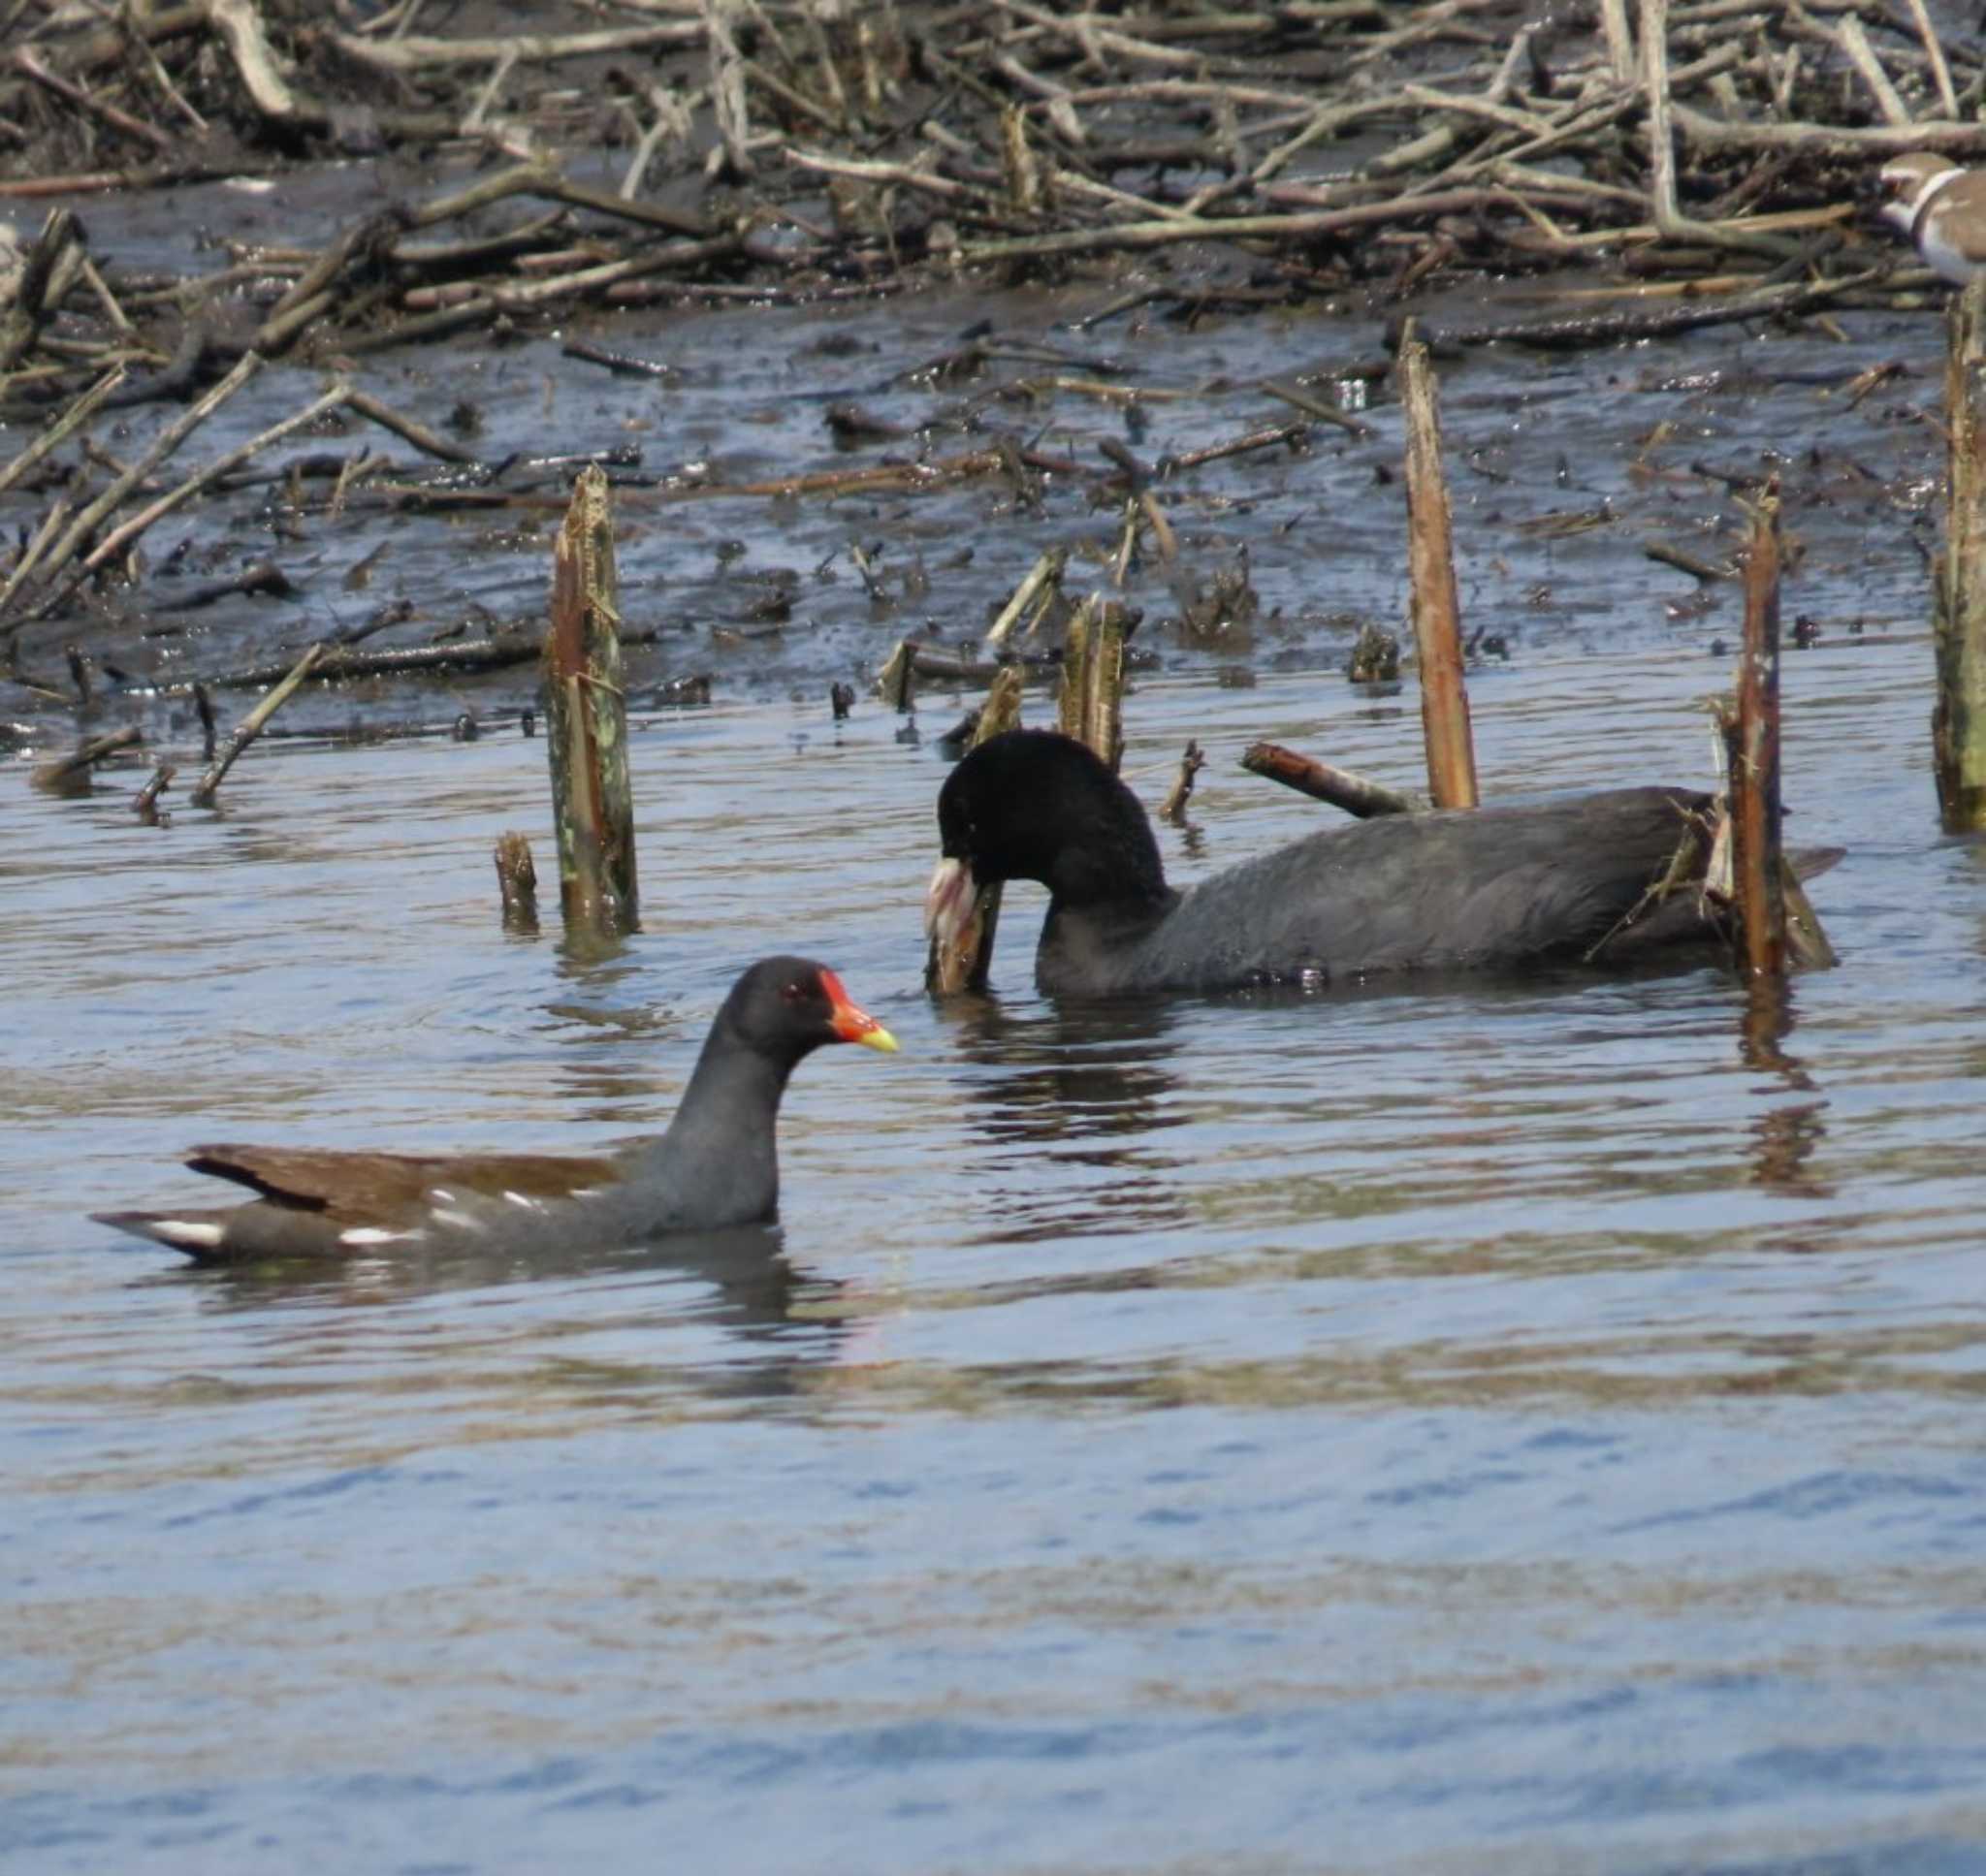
(785, 1007)
(1036, 805)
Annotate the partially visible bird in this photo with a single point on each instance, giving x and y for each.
(1941, 208)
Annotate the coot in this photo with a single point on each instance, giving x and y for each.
(1601, 877)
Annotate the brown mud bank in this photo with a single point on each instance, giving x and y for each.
(866, 310)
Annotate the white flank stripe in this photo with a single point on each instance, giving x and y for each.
(184, 1230)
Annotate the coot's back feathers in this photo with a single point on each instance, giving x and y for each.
(1483, 889)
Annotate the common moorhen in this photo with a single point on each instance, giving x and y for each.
(1602, 878)
(716, 1165)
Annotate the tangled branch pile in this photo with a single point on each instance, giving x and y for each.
(743, 148)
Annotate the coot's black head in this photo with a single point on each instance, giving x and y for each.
(1035, 805)
(785, 1008)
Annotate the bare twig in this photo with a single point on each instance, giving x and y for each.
(250, 728)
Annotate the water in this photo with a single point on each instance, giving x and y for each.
(1490, 1431)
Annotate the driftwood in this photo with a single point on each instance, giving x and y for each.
(1358, 795)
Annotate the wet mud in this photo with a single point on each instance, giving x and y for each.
(806, 476)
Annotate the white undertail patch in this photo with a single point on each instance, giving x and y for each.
(195, 1234)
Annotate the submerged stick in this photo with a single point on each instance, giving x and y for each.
(250, 728)
(146, 803)
(964, 964)
(586, 708)
(1191, 763)
(1358, 795)
(1958, 718)
(1436, 607)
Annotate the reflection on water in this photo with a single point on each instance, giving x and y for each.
(1788, 1135)
(1160, 1435)
(1080, 1086)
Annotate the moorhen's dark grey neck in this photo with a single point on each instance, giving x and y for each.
(718, 1163)
(1036, 805)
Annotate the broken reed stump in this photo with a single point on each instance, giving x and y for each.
(146, 803)
(1436, 609)
(964, 964)
(1040, 590)
(69, 775)
(1191, 763)
(1957, 716)
(517, 881)
(250, 728)
(895, 683)
(1751, 748)
(1358, 795)
(586, 721)
(1091, 703)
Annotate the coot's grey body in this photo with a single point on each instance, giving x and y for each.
(1601, 877)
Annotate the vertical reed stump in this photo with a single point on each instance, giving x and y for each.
(1436, 607)
(1090, 705)
(517, 881)
(1752, 744)
(586, 721)
(964, 965)
(1958, 718)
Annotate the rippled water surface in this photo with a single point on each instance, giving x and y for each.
(1499, 1430)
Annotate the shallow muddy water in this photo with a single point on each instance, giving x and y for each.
(1500, 1430)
